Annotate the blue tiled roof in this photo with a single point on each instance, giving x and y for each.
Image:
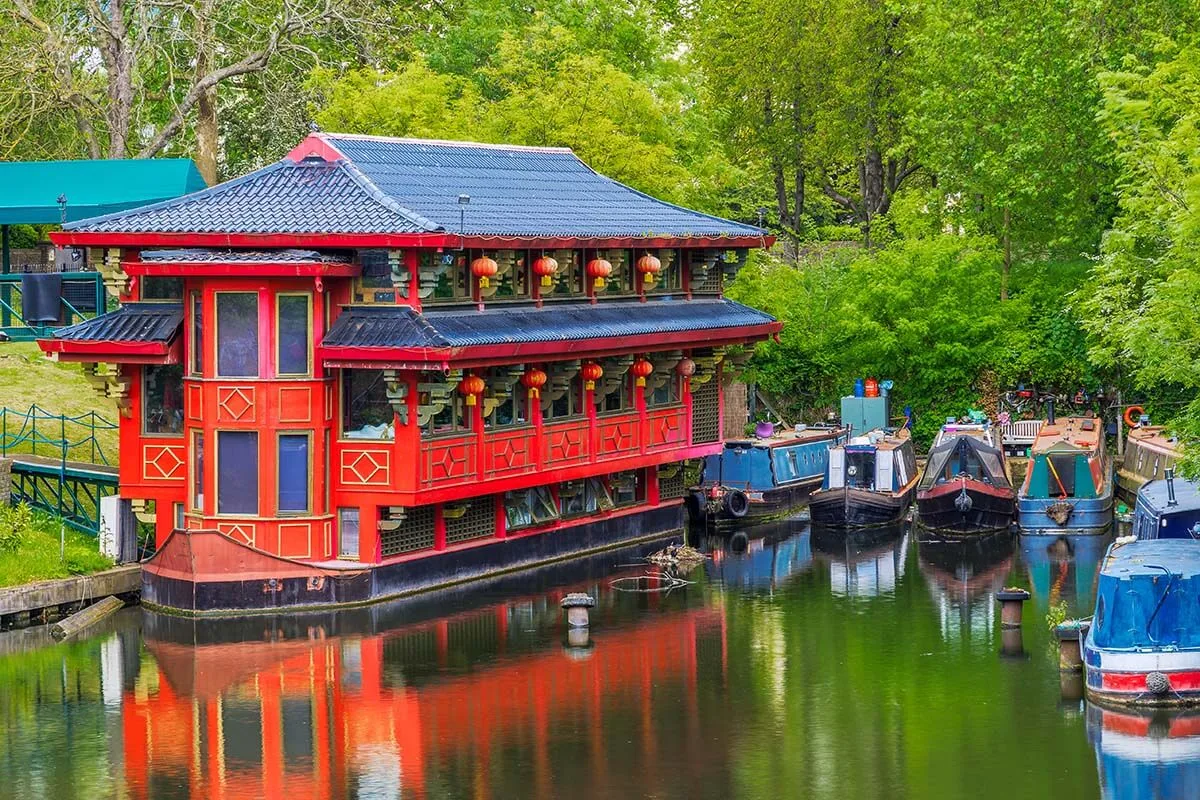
(399, 326)
(132, 322)
(202, 255)
(379, 185)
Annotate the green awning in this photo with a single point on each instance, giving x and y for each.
(29, 190)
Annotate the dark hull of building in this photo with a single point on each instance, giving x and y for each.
(942, 509)
(252, 581)
(850, 507)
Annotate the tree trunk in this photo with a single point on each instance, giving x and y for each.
(1007, 266)
(206, 105)
(798, 211)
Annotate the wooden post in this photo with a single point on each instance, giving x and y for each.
(87, 617)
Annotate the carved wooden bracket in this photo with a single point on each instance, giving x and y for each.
(429, 272)
(108, 382)
(707, 362)
(668, 471)
(141, 510)
(436, 393)
(116, 280)
(664, 368)
(702, 264)
(558, 380)
(506, 262)
(399, 271)
(615, 369)
(501, 383)
(396, 388)
(566, 266)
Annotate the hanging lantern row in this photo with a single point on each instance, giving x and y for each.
(546, 268)
(484, 268)
(471, 387)
(598, 269)
(592, 372)
(533, 380)
(641, 370)
(649, 266)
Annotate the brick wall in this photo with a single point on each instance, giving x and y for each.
(737, 415)
(5, 481)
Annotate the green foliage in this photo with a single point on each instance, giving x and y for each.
(29, 549)
(15, 522)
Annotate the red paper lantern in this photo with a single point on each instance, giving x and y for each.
(484, 268)
(686, 367)
(471, 387)
(545, 267)
(533, 380)
(598, 269)
(592, 372)
(649, 266)
(641, 370)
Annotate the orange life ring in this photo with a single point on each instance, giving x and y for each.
(1132, 414)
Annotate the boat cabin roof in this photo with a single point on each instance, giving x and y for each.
(1069, 434)
(1144, 557)
(1154, 495)
(953, 430)
(878, 440)
(1154, 437)
(798, 435)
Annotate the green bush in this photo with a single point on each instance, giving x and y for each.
(15, 522)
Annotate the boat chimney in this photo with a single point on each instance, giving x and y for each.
(1169, 474)
(1049, 410)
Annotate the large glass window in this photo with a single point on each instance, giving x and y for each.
(568, 404)
(509, 412)
(162, 399)
(366, 412)
(237, 334)
(197, 341)
(293, 473)
(237, 472)
(617, 399)
(588, 496)
(453, 418)
(348, 533)
(159, 288)
(454, 275)
(530, 507)
(628, 488)
(292, 336)
(665, 395)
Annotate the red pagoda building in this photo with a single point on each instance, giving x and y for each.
(385, 365)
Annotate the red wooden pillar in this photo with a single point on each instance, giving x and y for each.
(369, 546)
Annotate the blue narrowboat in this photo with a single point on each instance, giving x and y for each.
(1068, 487)
(1168, 509)
(1145, 755)
(768, 477)
(1143, 646)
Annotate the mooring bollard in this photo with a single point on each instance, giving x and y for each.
(1070, 634)
(1011, 600)
(577, 605)
(1070, 686)
(1011, 644)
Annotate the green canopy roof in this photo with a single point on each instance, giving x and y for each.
(29, 190)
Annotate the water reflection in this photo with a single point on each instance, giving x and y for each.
(864, 563)
(763, 560)
(963, 577)
(1146, 755)
(1063, 569)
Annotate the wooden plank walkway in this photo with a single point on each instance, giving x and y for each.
(81, 469)
(85, 589)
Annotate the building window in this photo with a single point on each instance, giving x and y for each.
(293, 339)
(454, 280)
(453, 417)
(293, 472)
(670, 278)
(510, 412)
(162, 400)
(576, 498)
(568, 404)
(237, 472)
(178, 508)
(237, 334)
(366, 412)
(530, 507)
(198, 471)
(158, 288)
(374, 284)
(628, 488)
(348, 533)
(665, 395)
(197, 340)
(617, 399)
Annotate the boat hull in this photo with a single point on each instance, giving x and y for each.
(773, 504)
(851, 507)
(1089, 515)
(990, 509)
(1120, 677)
(208, 573)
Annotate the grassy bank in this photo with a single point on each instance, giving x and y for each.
(28, 378)
(29, 549)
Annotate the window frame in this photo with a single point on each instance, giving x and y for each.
(534, 522)
(345, 408)
(196, 334)
(217, 474)
(196, 476)
(341, 554)
(308, 335)
(258, 349)
(145, 394)
(153, 280)
(308, 491)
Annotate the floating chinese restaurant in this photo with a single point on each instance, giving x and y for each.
(381, 366)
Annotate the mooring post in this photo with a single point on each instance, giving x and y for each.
(1011, 601)
(1070, 635)
(1011, 644)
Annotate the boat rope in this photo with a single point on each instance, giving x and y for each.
(963, 502)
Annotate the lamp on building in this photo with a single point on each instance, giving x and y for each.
(471, 387)
(484, 268)
(464, 200)
(592, 372)
(598, 269)
(649, 266)
(545, 268)
(533, 380)
(641, 370)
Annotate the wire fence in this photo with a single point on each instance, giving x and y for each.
(39, 432)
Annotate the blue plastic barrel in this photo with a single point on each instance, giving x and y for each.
(860, 389)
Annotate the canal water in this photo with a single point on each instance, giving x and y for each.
(795, 667)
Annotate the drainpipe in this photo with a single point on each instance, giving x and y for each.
(1170, 476)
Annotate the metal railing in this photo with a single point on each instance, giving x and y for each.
(39, 432)
(12, 318)
(1020, 433)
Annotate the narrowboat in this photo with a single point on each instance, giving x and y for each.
(1068, 487)
(869, 481)
(768, 477)
(1149, 452)
(1145, 755)
(1143, 646)
(965, 489)
(1168, 509)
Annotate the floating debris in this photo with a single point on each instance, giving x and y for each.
(677, 555)
(651, 582)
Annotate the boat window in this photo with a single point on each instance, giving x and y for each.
(348, 533)
(198, 471)
(162, 399)
(1141, 458)
(1060, 476)
(787, 466)
(237, 472)
(1155, 473)
(529, 507)
(583, 497)
(366, 412)
(293, 341)
(292, 487)
(860, 469)
(628, 488)
(237, 334)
